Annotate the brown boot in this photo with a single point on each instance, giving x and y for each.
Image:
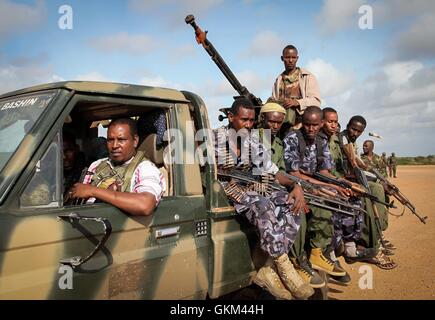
(320, 262)
(268, 279)
(291, 279)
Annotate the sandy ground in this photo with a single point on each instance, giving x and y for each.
(414, 277)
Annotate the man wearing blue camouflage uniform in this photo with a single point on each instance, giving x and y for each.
(276, 216)
(306, 152)
(272, 117)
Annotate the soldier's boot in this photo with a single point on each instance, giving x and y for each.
(291, 278)
(320, 262)
(268, 279)
(343, 279)
(308, 274)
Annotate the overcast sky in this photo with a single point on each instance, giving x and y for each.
(385, 72)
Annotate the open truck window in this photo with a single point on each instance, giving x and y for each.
(86, 129)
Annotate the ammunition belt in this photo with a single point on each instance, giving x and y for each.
(235, 191)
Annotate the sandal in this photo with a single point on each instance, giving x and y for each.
(383, 261)
(389, 245)
(387, 251)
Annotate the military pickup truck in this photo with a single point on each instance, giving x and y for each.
(193, 246)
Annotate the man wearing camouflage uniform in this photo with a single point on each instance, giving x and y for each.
(275, 216)
(295, 88)
(347, 229)
(272, 117)
(371, 159)
(384, 164)
(370, 235)
(392, 165)
(306, 152)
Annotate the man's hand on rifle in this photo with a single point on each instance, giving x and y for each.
(353, 184)
(345, 192)
(297, 197)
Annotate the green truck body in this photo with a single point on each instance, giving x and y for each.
(193, 246)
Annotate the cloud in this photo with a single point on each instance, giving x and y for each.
(412, 21)
(399, 73)
(123, 42)
(332, 82)
(92, 76)
(337, 15)
(397, 85)
(16, 18)
(256, 84)
(385, 11)
(159, 81)
(398, 102)
(187, 6)
(31, 71)
(266, 43)
(415, 42)
(170, 11)
(182, 52)
(219, 94)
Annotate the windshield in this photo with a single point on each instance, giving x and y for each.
(18, 115)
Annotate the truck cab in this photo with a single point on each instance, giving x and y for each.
(193, 246)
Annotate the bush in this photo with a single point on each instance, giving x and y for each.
(420, 160)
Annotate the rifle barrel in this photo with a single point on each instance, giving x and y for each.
(399, 195)
(201, 38)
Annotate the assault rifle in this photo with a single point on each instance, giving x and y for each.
(321, 200)
(201, 38)
(362, 179)
(393, 190)
(319, 193)
(347, 185)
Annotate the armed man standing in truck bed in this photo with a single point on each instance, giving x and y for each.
(295, 88)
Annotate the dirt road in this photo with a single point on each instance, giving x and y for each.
(414, 278)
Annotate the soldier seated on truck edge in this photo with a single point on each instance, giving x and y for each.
(125, 179)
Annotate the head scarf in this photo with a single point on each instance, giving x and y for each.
(272, 107)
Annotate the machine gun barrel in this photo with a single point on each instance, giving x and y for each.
(201, 38)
